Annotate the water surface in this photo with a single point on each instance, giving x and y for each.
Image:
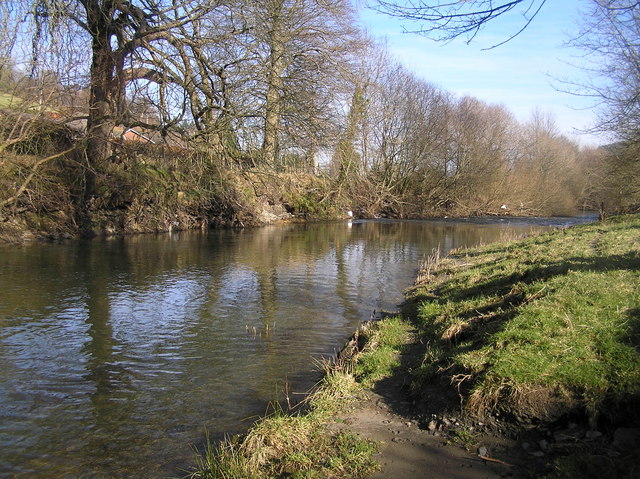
(117, 354)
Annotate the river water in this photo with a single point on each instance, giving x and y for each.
(118, 354)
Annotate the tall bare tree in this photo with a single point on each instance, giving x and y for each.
(394, 137)
(546, 178)
(609, 37)
(480, 143)
(304, 49)
(195, 70)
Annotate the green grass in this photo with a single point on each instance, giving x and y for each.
(9, 101)
(463, 437)
(301, 445)
(284, 445)
(12, 102)
(381, 354)
(542, 326)
(289, 445)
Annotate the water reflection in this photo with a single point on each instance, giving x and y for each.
(116, 354)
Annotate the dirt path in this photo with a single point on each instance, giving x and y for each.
(408, 451)
(415, 448)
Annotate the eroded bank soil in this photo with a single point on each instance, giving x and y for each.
(432, 440)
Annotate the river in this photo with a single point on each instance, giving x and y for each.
(118, 355)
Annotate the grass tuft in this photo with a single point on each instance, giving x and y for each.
(285, 445)
(385, 341)
(301, 445)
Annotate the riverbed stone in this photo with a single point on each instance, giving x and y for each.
(593, 434)
(626, 438)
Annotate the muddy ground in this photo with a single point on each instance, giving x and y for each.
(434, 440)
(411, 450)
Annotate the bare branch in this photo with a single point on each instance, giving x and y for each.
(34, 169)
(445, 21)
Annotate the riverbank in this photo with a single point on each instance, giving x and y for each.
(524, 354)
(153, 189)
(157, 196)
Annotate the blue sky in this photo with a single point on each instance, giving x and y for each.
(520, 75)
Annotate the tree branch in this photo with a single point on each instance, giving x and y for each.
(30, 176)
(456, 18)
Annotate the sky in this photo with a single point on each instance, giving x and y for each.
(525, 74)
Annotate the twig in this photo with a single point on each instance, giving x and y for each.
(30, 176)
(534, 296)
(498, 461)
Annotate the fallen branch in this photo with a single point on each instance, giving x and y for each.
(534, 296)
(30, 176)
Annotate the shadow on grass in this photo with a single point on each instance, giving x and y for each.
(504, 297)
(633, 319)
(535, 272)
(438, 398)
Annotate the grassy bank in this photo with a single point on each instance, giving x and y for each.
(538, 332)
(530, 331)
(540, 327)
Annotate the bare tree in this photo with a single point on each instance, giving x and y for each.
(609, 39)
(393, 143)
(546, 178)
(31, 135)
(195, 78)
(304, 49)
(619, 182)
(118, 32)
(479, 152)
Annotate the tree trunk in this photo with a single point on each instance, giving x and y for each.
(273, 107)
(105, 94)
